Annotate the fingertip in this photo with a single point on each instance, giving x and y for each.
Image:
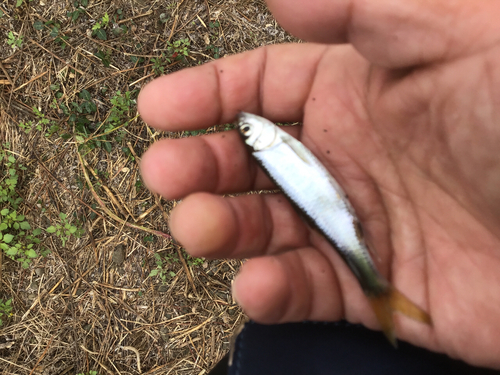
(151, 169)
(175, 168)
(205, 225)
(150, 99)
(187, 99)
(261, 289)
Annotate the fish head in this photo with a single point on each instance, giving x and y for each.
(257, 132)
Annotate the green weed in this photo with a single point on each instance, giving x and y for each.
(64, 230)
(79, 9)
(26, 126)
(163, 260)
(139, 186)
(179, 49)
(214, 33)
(119, 15)
(213, 50)
(196, 132)
(98, 29)
(57, 93)
(161, 263)
(149, 238)
(159, 64)
(118, 29)
(48, 127)
(55, 31)
(90, 134)
(128, 153)
(122, 104)
(176, 51)
(20, 2)
(104, 56)
(17, 239)
(137, 59)
(192, 261)
(5, 309)
(13, 41)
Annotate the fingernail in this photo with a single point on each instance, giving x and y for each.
(234, 289)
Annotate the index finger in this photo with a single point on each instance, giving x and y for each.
(272, 81)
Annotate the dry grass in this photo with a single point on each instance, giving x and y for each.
(90, 305)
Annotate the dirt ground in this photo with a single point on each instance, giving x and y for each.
(90, 281)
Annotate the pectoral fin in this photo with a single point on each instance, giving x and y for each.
(297, 147)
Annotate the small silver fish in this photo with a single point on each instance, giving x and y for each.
(317, 196)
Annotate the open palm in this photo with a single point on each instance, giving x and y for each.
(406, 118)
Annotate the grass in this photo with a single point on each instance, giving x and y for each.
(90, 280)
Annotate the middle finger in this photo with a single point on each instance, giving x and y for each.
(215, 163)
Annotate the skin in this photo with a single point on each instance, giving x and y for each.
(406, 117)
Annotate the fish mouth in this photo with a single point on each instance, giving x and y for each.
(242, 118)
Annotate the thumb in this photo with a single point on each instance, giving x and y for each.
(394, 34)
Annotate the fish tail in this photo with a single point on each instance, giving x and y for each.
(389, 301)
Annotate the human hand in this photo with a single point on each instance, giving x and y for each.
(406, 119)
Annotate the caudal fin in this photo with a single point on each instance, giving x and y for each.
(385, 304)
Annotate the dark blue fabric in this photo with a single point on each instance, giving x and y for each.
(334, 349)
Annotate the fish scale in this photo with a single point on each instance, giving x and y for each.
(323, 204)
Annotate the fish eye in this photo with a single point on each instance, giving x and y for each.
(245, 129)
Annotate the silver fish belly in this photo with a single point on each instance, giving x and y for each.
(318, 197)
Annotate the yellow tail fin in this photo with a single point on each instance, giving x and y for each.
(385, 304)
